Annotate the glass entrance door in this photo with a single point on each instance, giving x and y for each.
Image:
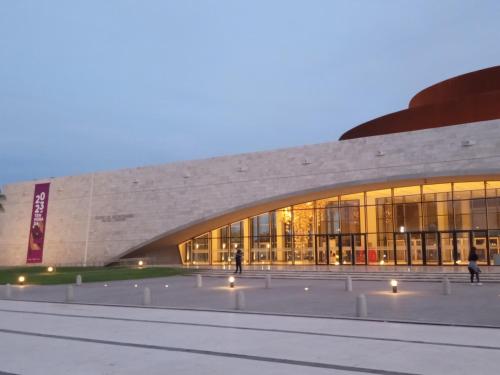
(346, 256)
(321, 249)
(447, 256)
(401, 243)
(480, 241)
(416, 248)
(463, 246)
(334, 250)
(359, 248)
(432, 248)
(494, 244)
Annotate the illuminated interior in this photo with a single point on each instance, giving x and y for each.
(415, 225)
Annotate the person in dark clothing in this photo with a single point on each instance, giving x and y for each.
(238, 257)
(473, 267)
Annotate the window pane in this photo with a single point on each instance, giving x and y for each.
(436, 188)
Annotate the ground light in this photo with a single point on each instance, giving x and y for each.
(394, 284)
(231, 281)
(50, 269)
(140, 263)
(21, 279)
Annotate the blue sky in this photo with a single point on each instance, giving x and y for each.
(99, 85)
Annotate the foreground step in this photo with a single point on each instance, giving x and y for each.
(363, 276)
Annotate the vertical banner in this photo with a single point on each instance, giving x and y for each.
(38, 223)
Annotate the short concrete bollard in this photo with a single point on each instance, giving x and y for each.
(348, 284)
(446, 286)
(199, 281)
(361, 308)
(70, 294)
(240, 301)
(268, 281)
(8, 291)
(78, 279)
(146, 297)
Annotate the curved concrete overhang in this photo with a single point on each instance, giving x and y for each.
(168, 241)
(468, 98)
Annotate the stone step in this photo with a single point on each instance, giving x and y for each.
(366, 276)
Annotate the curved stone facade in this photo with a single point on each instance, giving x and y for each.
(101, 217)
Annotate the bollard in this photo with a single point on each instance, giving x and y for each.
(78, 279)
(240, 300)
(70, 294)
(361, 308)
(8, 291)
(348, 284)
(146, 298)
(268, 281)
(199, 281)
(446, 287)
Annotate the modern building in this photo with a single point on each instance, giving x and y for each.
(416, 187)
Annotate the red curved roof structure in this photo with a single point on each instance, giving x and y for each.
(463, 99)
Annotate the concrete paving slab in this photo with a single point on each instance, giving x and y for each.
(40, 338)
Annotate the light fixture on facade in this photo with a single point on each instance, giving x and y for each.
(231, 281)
(394, 284)
(224, 245)
(401, 229)
(382, 262)
(140, 263)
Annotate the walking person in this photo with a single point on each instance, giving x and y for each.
(238, 257)
(473, 267)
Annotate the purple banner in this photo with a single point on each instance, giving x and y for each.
(38, 223)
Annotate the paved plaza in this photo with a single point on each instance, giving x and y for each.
(415, 301)
(297, 326)
(43, 338)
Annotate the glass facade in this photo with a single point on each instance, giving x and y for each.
(433, 224)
